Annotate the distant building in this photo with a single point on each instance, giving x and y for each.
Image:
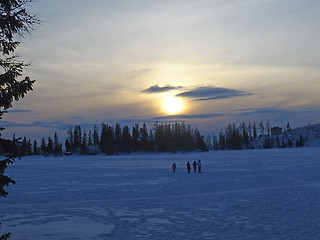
(276, 131)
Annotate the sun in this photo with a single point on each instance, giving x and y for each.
(172, 105)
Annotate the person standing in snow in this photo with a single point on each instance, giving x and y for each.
(188, 167)
(194, 164)
(174, 167)
(199, 166)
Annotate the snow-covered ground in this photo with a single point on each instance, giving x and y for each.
(249, 194)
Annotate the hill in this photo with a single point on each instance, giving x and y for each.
(307, 136)
(310, 134)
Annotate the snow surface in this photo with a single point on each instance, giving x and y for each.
(248, 194)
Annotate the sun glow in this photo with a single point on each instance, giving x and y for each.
(172, 105)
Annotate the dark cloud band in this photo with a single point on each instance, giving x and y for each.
(18, 110)
(157, 89)
(211, 93)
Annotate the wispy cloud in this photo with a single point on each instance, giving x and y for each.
(18, 110)
(75, 117)
(44, 124)
(261, 111)
(157, 89)
(275, 114)
(188, 116)
(271, 111)
(211, 93)
(138, 73)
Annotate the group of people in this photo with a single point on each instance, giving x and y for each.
(194, 164)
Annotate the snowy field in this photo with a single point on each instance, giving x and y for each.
(254, 194)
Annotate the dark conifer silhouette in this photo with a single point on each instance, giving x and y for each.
(14, 20)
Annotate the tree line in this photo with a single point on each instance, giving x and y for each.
(118, 140)
(177, 137)
(253, 136)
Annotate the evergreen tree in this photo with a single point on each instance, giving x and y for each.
(261, 128)
(103, 138)
(245, 135)
(67, 145)
(117, 139)
(44, 149)
(110, 140)
(250, 130)
(186, 137)
(267, 142)
(151, 141)
(136, 137)
(56, 144)
(190, 139)
(35, 148)
(126, 140)
(84, 145)
(15, 20)
(96, 141)
(29, 148)
(70, 139)
(107, 142)
(144, 138)
(268, 128)
(168, 138)
(159, 137)
(288, 128)
(177, 136)
(232, 137)
(23, 148)
(300, 142)
(183, 140)
(222, 141)
(254, 129)
(6, 146)
(77, 137)
(90, 142)
(60, 149)
(50, 146)
(199, 141)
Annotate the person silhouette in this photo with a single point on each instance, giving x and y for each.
(188, 167)
(199, 166)
(194, 164)
(174, 167)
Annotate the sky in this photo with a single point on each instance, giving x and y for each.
(206, 62)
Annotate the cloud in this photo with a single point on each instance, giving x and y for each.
(187, 116)
(273, 111)
(275, 114)
(139, 73)
(211, 93)
(157, 89)
(18, 110)
(261, 111)
(75, 117)
(44, 124)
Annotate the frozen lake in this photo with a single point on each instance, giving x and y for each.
(249, 194)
